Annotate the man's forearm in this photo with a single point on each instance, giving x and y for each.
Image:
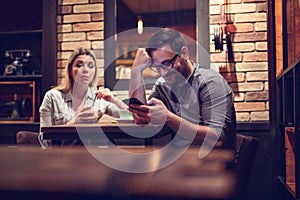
(192, 132)
(137, 86)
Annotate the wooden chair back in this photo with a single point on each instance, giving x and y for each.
(246, 148)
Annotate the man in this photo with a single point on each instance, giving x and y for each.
(195, 103)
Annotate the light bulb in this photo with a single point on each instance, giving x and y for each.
(140, 26)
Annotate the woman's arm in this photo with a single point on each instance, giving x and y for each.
(107, 95)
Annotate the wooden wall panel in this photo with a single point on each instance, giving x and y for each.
(278, 22)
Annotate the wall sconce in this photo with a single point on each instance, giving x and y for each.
(140, 25)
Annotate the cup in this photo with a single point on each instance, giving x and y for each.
(125, 114)
(97, 113)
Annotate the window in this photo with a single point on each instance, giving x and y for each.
(122, 37)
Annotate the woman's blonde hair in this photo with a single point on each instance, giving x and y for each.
(69, 81)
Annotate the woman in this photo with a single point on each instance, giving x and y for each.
(75, 100)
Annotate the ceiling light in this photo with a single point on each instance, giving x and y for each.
(140, 25)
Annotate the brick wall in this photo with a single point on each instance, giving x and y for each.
(247, 72)
(80, 23)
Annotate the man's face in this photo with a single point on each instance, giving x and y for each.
(172, 69)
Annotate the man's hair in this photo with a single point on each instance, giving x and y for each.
(164, 37)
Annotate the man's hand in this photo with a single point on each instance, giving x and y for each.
(142, 60)
(155, 114)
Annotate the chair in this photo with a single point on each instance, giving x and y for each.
(246, 147)
(27, 138)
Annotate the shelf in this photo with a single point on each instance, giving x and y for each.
(23, 77)
(38, 31)
(290, 68)
(290, 158)
(31, 25)
(288, 118)
(289, 192)
(18, 101)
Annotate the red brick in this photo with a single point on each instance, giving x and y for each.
(59, 19)
(58, 46)
(247, 87)
(257, 96)
(261, 46)
(99, 53)
(96, 1)
(239, 97)
(250, 17)
(241, 8)
(64, 9)
(214, 19)
(243, 47)
(223, 57)
(75, 18)
(97, 16)
(249, 106)
(226, 67)
(88, 8)
(97, 44)
(98, 35)
(92, 26)
(260, 26)
(262, 7)
(63, 55)
(260, 116)
(73, 45)
(61, 64)
(243, 116)
(257, 76)
(250, 37)
(254, 1)
(252, 66)
(73, 2)
(240, 28)
(78, 36)
(217, 2)
(256, 57)
(64, 28)
(233, 77)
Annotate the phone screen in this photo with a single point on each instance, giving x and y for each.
(135, 101)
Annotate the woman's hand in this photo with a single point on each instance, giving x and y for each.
(85, 115)
(155, 114)
(104, 93)
(107, 95)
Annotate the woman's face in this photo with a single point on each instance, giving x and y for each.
(83, 70)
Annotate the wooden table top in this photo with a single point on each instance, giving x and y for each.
(74, 172)
(111, 129)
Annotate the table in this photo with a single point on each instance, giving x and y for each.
(73, 173)
(105, 131)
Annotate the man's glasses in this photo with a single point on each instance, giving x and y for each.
(166, 65)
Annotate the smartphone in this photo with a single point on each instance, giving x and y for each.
(135, 101)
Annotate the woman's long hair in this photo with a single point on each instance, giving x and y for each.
(69, 81)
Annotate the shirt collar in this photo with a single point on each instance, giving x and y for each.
(89, 95)
(189, 80)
